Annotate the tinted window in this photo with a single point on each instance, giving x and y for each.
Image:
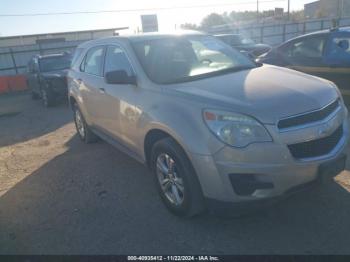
(235, 40)
(310, 47)
(116, 59)
(93, 61)
(48, 64)
(341, 44)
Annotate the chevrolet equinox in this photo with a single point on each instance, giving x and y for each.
(216, 129)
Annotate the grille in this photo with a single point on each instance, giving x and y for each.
(317, 147)
(309, 117)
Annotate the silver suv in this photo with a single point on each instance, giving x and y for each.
(216, 129)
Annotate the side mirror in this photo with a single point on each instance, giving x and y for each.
(120, 77)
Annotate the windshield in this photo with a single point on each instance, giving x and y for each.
(54, 63)
(185, 58)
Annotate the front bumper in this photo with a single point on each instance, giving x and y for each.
(58, 86)
(268, 162)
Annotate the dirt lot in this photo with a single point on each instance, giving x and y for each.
(60, 196)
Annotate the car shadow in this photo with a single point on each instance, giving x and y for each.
(24, 119)
(93, 199)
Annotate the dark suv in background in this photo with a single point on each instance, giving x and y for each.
(244, 44)
(46, 77)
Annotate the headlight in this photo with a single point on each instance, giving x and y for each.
(235, 129)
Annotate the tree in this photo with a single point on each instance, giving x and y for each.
(243, 16)
(320, 14)
(297, 15)
(213, 20)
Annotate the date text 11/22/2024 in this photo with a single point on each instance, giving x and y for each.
(173, 258)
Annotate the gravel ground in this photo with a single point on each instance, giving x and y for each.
(60, 196)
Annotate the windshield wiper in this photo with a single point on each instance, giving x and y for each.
(211, 74)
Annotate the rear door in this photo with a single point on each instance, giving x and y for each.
(338, 60)
(91, 84)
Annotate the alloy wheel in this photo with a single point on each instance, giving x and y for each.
(169, 179)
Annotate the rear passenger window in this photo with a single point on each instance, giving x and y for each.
(116, 59)
(341, 45)
(310, 47)
(93, 61)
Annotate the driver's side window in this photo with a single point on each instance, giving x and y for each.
(117, 60)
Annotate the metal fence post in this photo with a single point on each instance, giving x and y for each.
(40, 50)
(13, 61)
(284, 32)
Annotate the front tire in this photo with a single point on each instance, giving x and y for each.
(82, 128)
(175, 179)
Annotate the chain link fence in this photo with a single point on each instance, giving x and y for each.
(275, 34)
(15, 52)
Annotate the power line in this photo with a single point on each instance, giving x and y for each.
(137, 10)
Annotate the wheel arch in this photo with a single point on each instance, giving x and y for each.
(72, 101)
(154, 135)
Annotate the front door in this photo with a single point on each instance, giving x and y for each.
(120, 112)
(338, 60)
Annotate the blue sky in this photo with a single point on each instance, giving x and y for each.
(168, 19)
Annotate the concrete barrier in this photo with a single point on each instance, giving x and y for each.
(3, 85)
(12, 84)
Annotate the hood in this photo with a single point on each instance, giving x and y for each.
(55, 74)
(268, 93)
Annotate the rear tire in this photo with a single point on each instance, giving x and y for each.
(175, 178)
(83, 129)
(47, 97)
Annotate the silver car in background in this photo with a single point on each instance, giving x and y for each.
(216, 129)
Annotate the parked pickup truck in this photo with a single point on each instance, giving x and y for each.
(46, 77)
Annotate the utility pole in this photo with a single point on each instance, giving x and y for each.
(341, 9)
(288, 10)
(257, 10)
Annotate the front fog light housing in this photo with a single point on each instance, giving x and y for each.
(235, 129)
